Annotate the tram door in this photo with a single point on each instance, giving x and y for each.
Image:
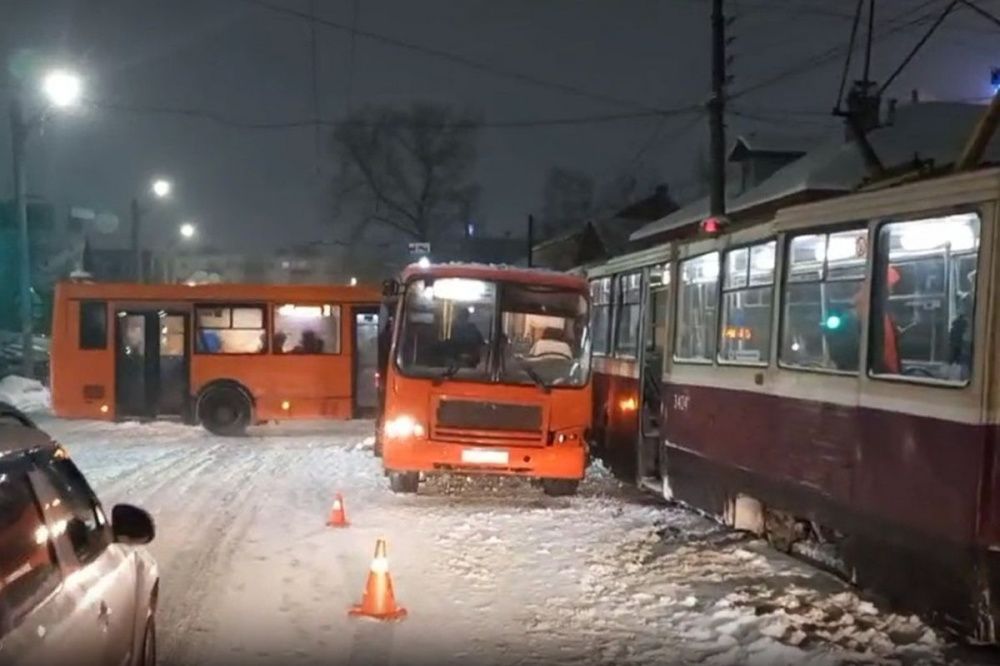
(657, 308)
(151, 364)
(365, 362)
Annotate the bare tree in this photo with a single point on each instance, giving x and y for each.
(409, 169)
(567, 199)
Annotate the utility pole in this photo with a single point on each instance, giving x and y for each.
(19, 135)
(716, 111)
(136, 215)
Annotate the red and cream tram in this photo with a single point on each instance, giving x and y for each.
(828, 379)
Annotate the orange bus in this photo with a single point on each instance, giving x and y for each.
(223, 355)
(488, 372)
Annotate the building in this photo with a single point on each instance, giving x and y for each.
(602, 238)
(915, 138)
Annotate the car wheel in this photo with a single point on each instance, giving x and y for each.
(560, 487)
(404, 482)
(225, 411)
(149, 643)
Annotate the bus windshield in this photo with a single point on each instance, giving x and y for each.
(494, 331)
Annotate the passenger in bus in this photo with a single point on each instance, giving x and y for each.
(551, 344)
(209, 342)
(279, 343)
(310, 343)
(466, 342)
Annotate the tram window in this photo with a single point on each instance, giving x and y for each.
(823, 292)
(628, 298)
(924, 301)
(746, 305)
(697, 308)
(656, 312)
(600, 297)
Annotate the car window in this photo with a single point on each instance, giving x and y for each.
(28, 571)
(86, 526)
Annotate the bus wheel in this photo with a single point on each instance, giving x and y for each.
(559, 487)
(224, 411)
(404, 482)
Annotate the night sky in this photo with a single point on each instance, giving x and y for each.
(251, 65)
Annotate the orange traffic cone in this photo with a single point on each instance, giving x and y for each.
(338, 515)
(379, 602)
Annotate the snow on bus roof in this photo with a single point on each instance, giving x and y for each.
(495, 272)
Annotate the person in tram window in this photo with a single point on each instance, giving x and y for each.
(885, 358)
(844, 338)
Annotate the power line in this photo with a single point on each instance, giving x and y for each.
(455, 58)
(892, 26)
(202, 114)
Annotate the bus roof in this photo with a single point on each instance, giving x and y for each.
(218, 292)
(497, 273)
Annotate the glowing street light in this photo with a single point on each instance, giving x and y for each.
(62, 88)
(188, 230)
(424, 262)
(161, 188)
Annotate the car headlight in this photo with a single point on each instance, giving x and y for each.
(403, 426)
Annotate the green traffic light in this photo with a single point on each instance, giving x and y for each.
(833, 322)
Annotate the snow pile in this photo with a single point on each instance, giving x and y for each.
(708, 595)
(27, 395)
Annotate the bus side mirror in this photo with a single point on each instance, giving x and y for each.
(390, 288)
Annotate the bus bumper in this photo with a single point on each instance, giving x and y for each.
(559, 461)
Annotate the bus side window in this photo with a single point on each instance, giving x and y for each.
(925, 289)
(93, 325)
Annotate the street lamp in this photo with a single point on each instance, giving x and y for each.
(186, 232)
(62, 88)
(59, 89)
(160, 189)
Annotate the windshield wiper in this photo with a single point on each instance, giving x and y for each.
(531, 373)
(448, 373)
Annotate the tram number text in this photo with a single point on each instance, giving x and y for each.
(681, 402)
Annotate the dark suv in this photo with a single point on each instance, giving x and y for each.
(74, 588)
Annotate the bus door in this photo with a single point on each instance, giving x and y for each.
(151, 363)
(366, 361)
(654, 333)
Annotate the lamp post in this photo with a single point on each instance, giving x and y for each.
(160, 188)
(60, 89)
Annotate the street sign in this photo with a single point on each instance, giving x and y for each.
(420, 249)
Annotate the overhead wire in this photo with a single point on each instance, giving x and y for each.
(454, 58)
(202, 114)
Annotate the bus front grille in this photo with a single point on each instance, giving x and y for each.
(488, 422)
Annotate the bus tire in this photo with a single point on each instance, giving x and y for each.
(225, 410)
(559, 487)
(404, 482)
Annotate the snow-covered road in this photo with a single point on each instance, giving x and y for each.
(491, 571)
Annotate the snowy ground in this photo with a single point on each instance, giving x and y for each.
(491, 572)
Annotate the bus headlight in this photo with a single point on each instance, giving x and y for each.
(403, 426)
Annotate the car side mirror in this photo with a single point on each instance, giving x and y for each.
(132, 525)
